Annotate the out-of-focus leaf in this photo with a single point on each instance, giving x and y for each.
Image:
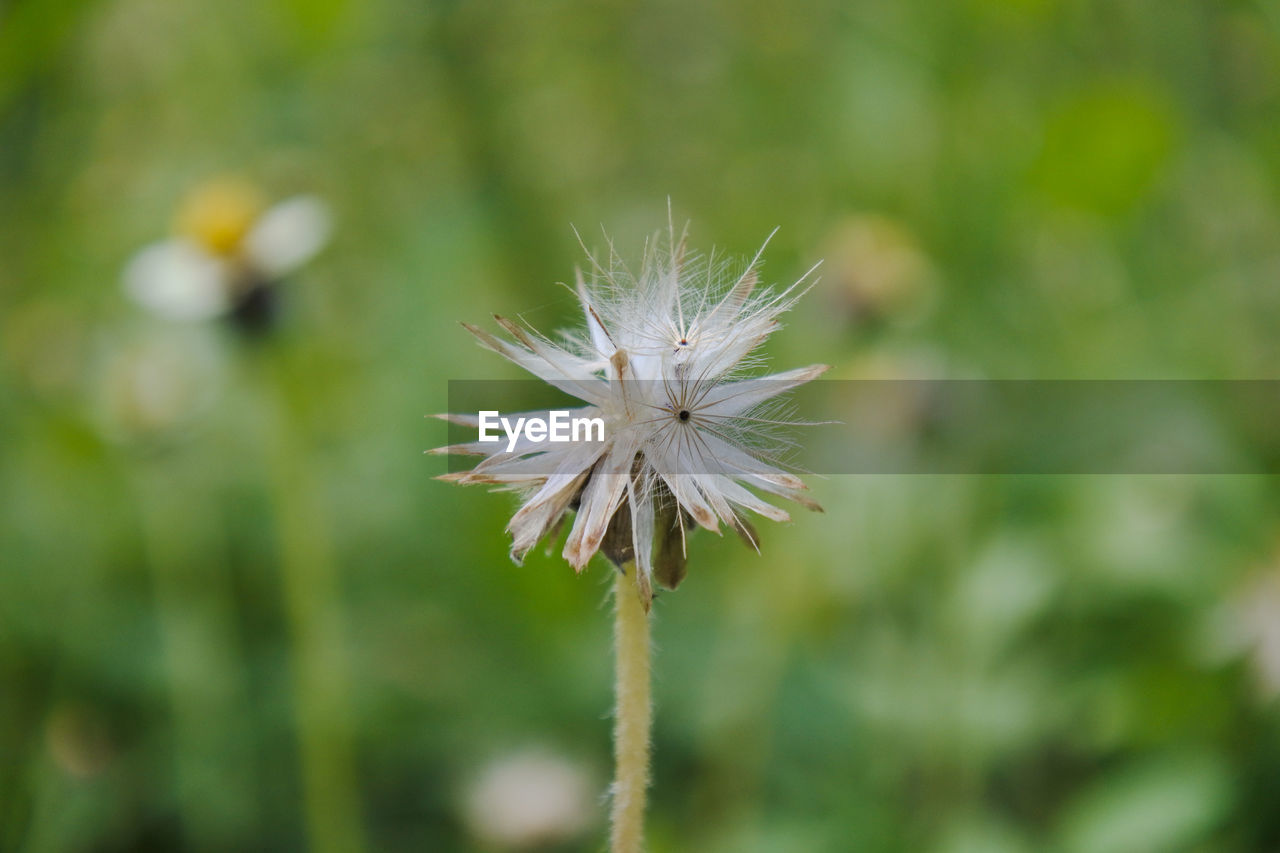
(1161, 804)
(31, 33)
(1105, 147)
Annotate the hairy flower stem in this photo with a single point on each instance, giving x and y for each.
(632, 717)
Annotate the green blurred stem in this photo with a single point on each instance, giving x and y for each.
(309, 580)
(195, 614)
(633, 715)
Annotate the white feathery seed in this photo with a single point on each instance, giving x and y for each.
(664, 362)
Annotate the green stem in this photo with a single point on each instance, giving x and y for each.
(195, 615)
(309, 580)
(633, 715)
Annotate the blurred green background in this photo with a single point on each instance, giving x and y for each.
(236, 612)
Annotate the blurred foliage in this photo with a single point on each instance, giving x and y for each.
(237, 613)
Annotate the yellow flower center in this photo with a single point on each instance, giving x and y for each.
(218, 214)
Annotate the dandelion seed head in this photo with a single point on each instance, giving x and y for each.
(667, 359)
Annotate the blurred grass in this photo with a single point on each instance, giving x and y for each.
(1022, 663)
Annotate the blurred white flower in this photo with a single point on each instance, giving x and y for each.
(661, 365)
(180, 281)
(157, 384)
(1249, 623)
(227, 254)
(529, 800)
